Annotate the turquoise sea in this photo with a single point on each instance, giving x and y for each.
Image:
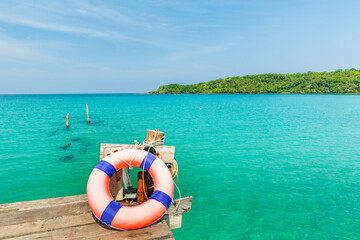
(258, 166)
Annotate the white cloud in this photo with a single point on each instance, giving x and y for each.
(24, 51)
(63, 28)
(103, 12)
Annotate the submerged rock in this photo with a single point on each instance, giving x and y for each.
(78, 139)
(54, 133)
(66, 146)
(67, 158)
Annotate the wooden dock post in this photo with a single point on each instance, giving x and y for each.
(67, 121)
(87, 113)
(154, 137)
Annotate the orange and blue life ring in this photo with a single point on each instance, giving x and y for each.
(112, 213)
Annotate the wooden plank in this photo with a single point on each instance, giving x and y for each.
(42, 213)
(116, 187)
(44, 225)
(126, 179)
(173, 221)
(166, 153)
(159, 230)
(181, 205)
(106, 148)
(173, 217)
(42, 203)
(71, 219)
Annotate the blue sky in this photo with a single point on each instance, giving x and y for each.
(136, 46)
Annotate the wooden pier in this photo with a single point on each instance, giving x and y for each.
(66, 218)
(71, 217)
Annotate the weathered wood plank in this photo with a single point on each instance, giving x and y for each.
(115, 186)
(181, 205)
(43, 213)
(173, 221)
(173, 216)
(42, 203)
(126, 179)
(70, 219)
(45, 225)
(166, 153)
(94, 231)
(155, 232)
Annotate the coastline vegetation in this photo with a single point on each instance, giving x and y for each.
(339, 81)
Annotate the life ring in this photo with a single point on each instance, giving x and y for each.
(112, 213)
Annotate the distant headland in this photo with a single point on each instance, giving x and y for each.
(339, 81)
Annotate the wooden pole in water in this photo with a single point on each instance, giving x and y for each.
(67, 121)
(87, 113)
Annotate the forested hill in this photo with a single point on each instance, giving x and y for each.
(339, 81)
